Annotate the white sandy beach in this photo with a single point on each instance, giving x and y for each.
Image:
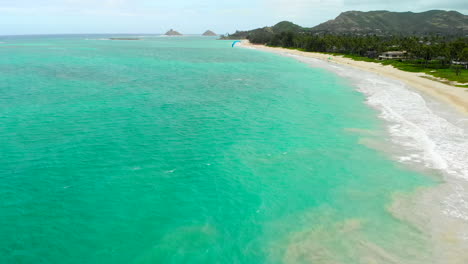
(455, 96)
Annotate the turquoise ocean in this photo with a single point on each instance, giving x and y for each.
(185, 150)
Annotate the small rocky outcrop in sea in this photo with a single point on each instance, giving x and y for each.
(173, 33)
(209, 33)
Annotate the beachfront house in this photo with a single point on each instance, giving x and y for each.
(393, 55)
(462, 63)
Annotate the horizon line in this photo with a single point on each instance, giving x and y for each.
(61, 34)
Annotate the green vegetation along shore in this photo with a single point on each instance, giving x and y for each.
(442, 54)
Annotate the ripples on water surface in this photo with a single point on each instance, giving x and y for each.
(185, 150)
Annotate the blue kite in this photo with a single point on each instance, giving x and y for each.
(235, 42)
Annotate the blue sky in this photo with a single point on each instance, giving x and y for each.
(153, 16)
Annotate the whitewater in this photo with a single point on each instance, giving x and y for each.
(429, 136)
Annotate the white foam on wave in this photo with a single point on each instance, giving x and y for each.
(428, 136)
(430, 133)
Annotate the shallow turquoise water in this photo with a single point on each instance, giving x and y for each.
(185, 150)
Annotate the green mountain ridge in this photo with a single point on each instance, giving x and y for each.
(376, 22)
(284, 26)
(429, 22)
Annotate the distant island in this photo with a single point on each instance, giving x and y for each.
(209, 33)
(172, 33)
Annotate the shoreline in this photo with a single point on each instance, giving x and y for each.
(456, 97)
(432, 134)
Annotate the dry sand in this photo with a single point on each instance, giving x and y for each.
(455, 96)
